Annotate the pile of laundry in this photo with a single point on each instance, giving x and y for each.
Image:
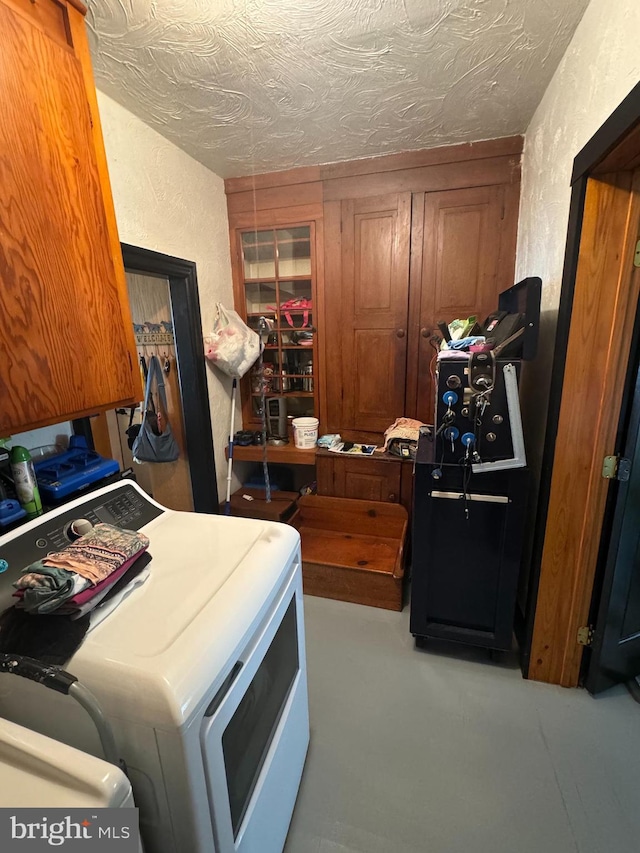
(72, 582)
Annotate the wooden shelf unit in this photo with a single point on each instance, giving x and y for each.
(287, 454)
(263, 256)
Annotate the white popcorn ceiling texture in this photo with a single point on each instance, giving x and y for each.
(258, 85)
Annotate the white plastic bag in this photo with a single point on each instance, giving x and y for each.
(232, 345)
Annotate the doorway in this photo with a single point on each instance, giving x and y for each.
(593, 346)
(163, 295)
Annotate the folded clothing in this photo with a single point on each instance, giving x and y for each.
(86, 600)
(79, 568)
(98, 553)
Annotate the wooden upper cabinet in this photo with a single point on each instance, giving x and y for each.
(66, 341)
(366, 311)
(455, 270)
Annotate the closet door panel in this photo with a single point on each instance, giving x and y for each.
(374, 304)
(459, 273)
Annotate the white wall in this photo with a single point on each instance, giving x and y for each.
(167, 201)
(600, 67)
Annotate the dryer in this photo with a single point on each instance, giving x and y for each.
(201, 672)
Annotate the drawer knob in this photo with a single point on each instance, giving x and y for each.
(426, 333)
(392, 497)
(400, 333)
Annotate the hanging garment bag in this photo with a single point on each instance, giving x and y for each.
(150, 444)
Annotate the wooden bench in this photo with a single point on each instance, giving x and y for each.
(352, 550)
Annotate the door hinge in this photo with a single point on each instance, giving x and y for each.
(585, 635)
(636, 257)
(616, 468)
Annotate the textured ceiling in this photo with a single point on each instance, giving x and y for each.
(257, 85)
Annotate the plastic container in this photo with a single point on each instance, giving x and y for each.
(305, 432)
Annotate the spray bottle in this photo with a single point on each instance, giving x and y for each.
(24, 479)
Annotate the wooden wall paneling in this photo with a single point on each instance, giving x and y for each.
(436, 178)
(332, 320)
(55, 243)
(272, 198)
(249, 183)
(605, 297)
(375, 290)
(503, 147)
(461, 255)
(280, 217)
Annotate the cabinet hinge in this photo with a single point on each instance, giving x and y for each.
(502, 211)
(636, 257)
(616, 468)
(585, 635)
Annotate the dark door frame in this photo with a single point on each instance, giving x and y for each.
(592, 159)
(187, 327)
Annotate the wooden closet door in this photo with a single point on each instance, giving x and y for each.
(455, 268)
(372, 311)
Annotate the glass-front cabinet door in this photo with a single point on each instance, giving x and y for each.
(278, 280)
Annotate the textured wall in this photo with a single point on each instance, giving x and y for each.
(600, 67)
(258, 85)
(168, 202)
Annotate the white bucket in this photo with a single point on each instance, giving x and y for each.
(305, 432)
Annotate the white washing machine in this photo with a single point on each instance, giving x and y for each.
(201, 672)
(38, 772)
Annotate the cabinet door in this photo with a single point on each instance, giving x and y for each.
(367, 312)
(65, 347)
(359, 479)
(458, 272)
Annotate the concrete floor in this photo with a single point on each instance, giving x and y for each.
(430, 752)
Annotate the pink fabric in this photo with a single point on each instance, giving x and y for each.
(89, 593)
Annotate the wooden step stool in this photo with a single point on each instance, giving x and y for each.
(352, 550)
(281, 507)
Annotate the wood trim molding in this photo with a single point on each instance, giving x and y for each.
(504, 147)
(607, 138)
(433, 178)
(606, 290)
(79, 6)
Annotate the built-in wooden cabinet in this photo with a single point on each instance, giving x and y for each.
(366, 312)
(402, 242)
(457, 242)
(277, 287)
(66, 339)
(358, 477)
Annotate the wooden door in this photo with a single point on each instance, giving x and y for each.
(456, 272)
(65, 347)
(359, 478)
(367, 313)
